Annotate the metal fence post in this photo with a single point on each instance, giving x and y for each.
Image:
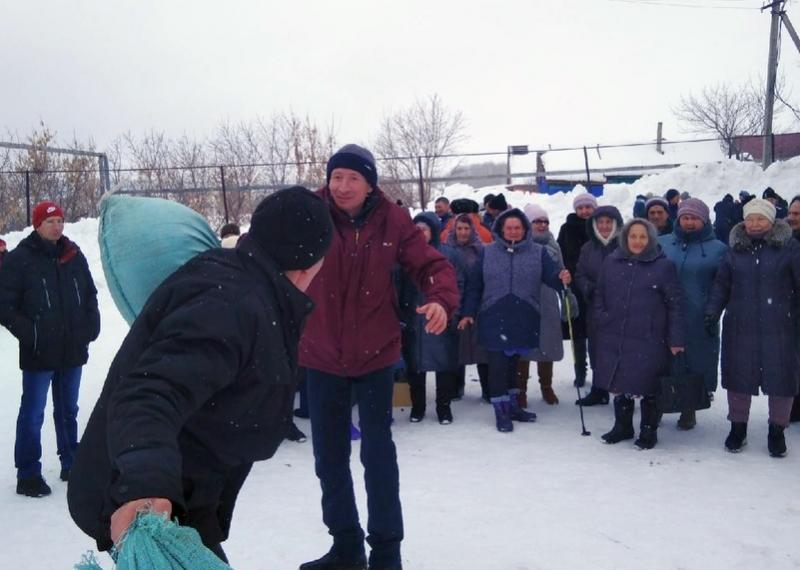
(224, 192)
(28, 195)
(421, 184)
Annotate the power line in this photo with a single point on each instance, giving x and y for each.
(680, 5)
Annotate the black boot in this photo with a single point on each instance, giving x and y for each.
(776, 443)
(416, 388)
(687, 420)
(502, 416)
(737, 438)
(648, 427)
(332, 561)
(623, 421)
(795, 415)
(518, 413)
(33, 487)
(595, 397)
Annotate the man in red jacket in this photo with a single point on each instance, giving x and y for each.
(349, 346)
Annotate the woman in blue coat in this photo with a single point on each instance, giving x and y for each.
(757, 285)
(638, 322)
(424, 352)
(697, 255)
(604, 227)
(507, 302)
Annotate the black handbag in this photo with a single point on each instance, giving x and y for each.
(682, 390)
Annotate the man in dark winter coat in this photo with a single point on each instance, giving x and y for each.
(781, 207)
(571, 237)
(49, 302)
(494, 207)
(673, 198)
(203, 383)
(350, 346)
(657, 212)
(725, 217)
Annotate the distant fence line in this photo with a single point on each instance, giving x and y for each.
(229, 192)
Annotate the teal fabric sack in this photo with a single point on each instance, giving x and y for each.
(144, 240)
(153, 542)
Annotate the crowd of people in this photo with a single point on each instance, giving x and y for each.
(340, 289)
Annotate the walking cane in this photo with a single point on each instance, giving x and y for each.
(584, 431)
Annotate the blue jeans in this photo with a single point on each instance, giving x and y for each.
(329, 406)
(28, 446)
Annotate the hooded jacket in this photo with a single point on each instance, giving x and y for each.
(422, 351)
(757, 285)
(49, 303)
(355, 328)
(571, 237)
(697, 256)
(202, 386)
(594, 251)
(509, 288)
(637, 317)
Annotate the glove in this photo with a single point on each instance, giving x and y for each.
(710, 325)
(570, 299)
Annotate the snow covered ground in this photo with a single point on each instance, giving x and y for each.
(540, 497)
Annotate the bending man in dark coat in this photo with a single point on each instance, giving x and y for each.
(203, 384)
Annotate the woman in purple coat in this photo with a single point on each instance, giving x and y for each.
(758, 284)
(637, 319)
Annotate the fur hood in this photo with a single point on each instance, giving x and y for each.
(777, 237)
(607, 212)
(652, 251)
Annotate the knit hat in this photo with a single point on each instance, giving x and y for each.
(671, 194)
(293, 226)
(694, 207)
(535, 212)
(760, 206)
(584, 199)
(355, 158)
(44, 210)
(498, 203)
(769, 193)
(656, 201)
(487, 199)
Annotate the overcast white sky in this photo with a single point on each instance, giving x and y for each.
(531, 72)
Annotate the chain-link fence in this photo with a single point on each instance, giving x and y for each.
(225, 193)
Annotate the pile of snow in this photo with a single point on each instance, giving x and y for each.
(473, 498)
(708, 181)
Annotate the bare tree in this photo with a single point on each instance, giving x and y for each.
(727, 110)
(426, 129)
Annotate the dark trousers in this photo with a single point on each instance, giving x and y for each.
(329, 406)
(502, 373)
(446, 383)
(28, 446)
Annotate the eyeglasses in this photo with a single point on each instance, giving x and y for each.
(545, 222)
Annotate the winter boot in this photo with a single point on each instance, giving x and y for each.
(295, 434)
(332, 561)
(523, 373)
(687, 420)
(623, 421)
(595, 397)
(795, 415)
(444, 414)
(648, 426)
(545, 370)
(737, 438)
(502, 415)
(64, 475)
(33, 487)
(517, 413)
(416, 389)
(776, 443)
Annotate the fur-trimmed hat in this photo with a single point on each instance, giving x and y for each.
(44, 210)
(760, 206)
(498, 203)
(464, 206)
(293, 226)
(355, 158)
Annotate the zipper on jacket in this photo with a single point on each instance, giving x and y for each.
(35, 336)
(46, 293)
(77, 291)
(357, 231)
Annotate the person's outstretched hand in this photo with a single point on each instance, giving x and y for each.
(436, 317)
(123, 516)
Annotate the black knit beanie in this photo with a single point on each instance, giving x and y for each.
(293, 226)
(355, 158)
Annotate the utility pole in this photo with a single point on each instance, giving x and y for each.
(772, 72)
